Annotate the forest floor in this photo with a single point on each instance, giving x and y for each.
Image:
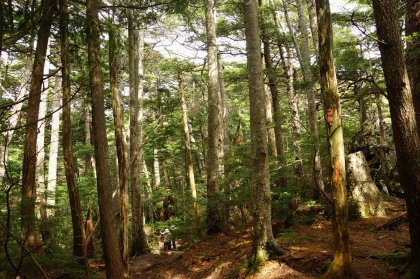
(308, 249)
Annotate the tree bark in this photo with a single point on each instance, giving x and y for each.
(121, 145)
(341, 267)
(412, 32)
(29, 153)
(112, 255)
(405, 132)
(310, 94)
(263, 238)
(215, 123)
(69, 165)
(188, 155)
(136, 53)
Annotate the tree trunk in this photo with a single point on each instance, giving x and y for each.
(405, 133)
(54, 143)
(313, 25)
(112, 256)
(188, 155)
(412, 33)
(310, 94)
(40, 148)
(341, 267)
(286, 57)
(135, 53)
(121, 145)
(263, 238)
(215, 123)
(69, 165)
(29, 151)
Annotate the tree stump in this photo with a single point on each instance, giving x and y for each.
(363, 191)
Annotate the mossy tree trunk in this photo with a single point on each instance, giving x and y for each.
(341, 266)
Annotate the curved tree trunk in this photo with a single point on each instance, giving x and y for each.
(405, 133)
(341, 267)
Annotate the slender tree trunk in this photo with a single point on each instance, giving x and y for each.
(69, 165)
(112, 255)
(286, 57)
(405, 132)
(341, 267)
(412, 33)
(263, 238)
(120, 144)
(29, 156)
(156, 168)
(215, 123)
(188, 155)
(272, 83)
(136, 52)
(310, 94)
(40, 147)
(54, 143)
(313, 25)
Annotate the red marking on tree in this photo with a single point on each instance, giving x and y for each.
(330, 116)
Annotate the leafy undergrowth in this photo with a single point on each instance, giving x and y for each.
(308, 250)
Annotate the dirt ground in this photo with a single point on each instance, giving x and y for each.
(308, 249)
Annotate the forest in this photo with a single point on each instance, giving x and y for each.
(209, 139)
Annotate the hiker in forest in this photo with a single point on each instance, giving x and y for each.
(167, 238)
(171, 229)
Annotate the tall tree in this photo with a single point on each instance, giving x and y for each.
(69, 165)
(263, 238)
(136, 54)
(188, 155)
(215, 122)
(121, 145)
(341, 266)
(112, 255)
(310, 94)
(29, 152)
(405, 133)
(412, 31)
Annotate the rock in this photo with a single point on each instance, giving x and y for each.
(363, 191)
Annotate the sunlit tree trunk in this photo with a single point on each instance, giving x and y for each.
(188, 155)
(121, 145)
(263, 238)
(29, 150)
(215, 123)
(54, 143)
(412, 32)
(341, 266)
(112, 256)
(405, 133)
(40, 145)
(69, 164)
(156, 168)
(136, 53)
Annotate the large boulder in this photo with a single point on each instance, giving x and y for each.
(363, 192)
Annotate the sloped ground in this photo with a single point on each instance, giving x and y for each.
(308, 249)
